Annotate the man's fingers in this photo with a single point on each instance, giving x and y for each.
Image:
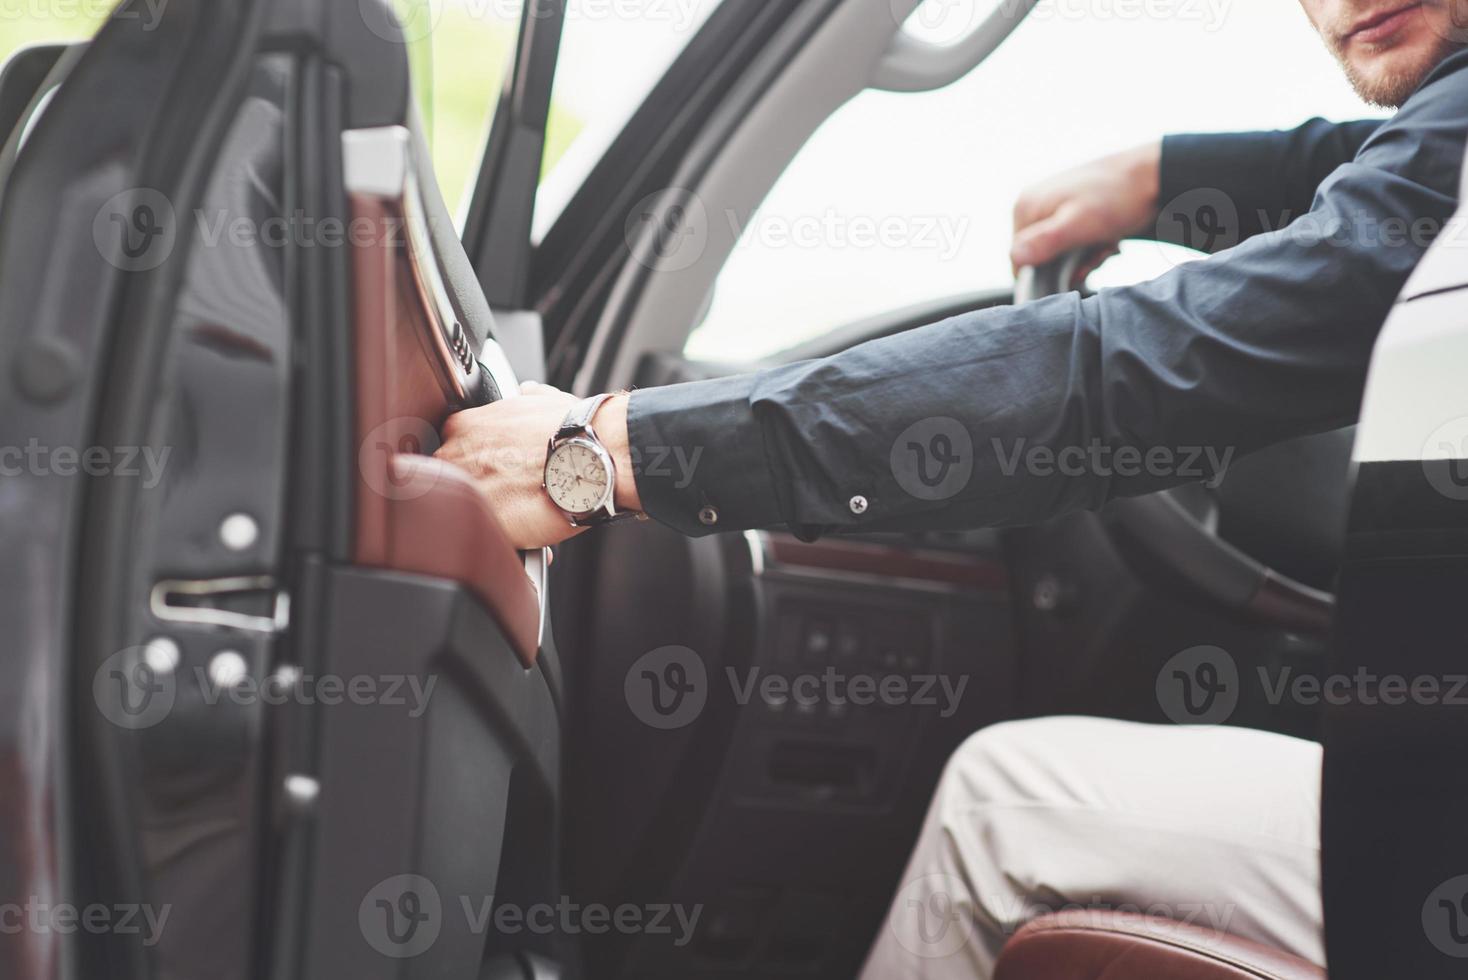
(1069, 228)
(536, 388)
(1028, 210)
(1039, 243)
(1094, 261)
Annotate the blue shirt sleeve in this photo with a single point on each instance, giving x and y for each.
(1022, 413)
(1270, 178)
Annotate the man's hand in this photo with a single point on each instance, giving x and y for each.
(1093, 206)
(503, 447)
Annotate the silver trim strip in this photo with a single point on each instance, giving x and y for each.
(159, 602)
(756, 541)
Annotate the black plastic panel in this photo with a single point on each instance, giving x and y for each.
(435, 796)
(1396, 775)
(784, 822)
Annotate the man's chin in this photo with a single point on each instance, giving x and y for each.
(1387, 78)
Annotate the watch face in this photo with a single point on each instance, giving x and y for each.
(577, 478)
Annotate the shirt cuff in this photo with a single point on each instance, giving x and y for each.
(699, 457)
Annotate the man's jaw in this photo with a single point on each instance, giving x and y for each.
(1387, 51)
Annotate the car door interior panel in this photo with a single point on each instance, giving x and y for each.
(64, 338)
(449, 601)
(284, 541)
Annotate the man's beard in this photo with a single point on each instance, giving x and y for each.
(1390, 90)
(1386, 91)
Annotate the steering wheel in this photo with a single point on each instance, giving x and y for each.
(1178, 528)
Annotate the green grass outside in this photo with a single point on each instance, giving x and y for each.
(458, 70)
(16, 32)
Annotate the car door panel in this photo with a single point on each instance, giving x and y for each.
(275, 549)
(89, 147)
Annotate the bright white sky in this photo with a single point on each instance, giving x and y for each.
(1080, 78)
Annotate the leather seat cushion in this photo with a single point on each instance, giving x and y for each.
(1082, 944)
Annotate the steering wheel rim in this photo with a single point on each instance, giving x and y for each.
(1184, 542)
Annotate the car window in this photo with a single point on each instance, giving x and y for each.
(904, 198)
(459, 51)
(23, 24)
(612, 54)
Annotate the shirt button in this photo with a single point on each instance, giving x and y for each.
(708, 516)
(859, 505)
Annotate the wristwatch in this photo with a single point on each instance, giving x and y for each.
(580, 477)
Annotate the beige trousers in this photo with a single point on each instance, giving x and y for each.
(1219, 827)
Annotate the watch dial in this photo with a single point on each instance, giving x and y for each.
(576, 478)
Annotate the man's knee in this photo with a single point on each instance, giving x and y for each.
(991, 765)
(997, 738)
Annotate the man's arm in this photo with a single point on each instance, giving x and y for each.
(1267, 179)
(1023, 413)
(1206, 191)
(1069, 402)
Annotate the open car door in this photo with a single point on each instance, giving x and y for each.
(282, 689)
